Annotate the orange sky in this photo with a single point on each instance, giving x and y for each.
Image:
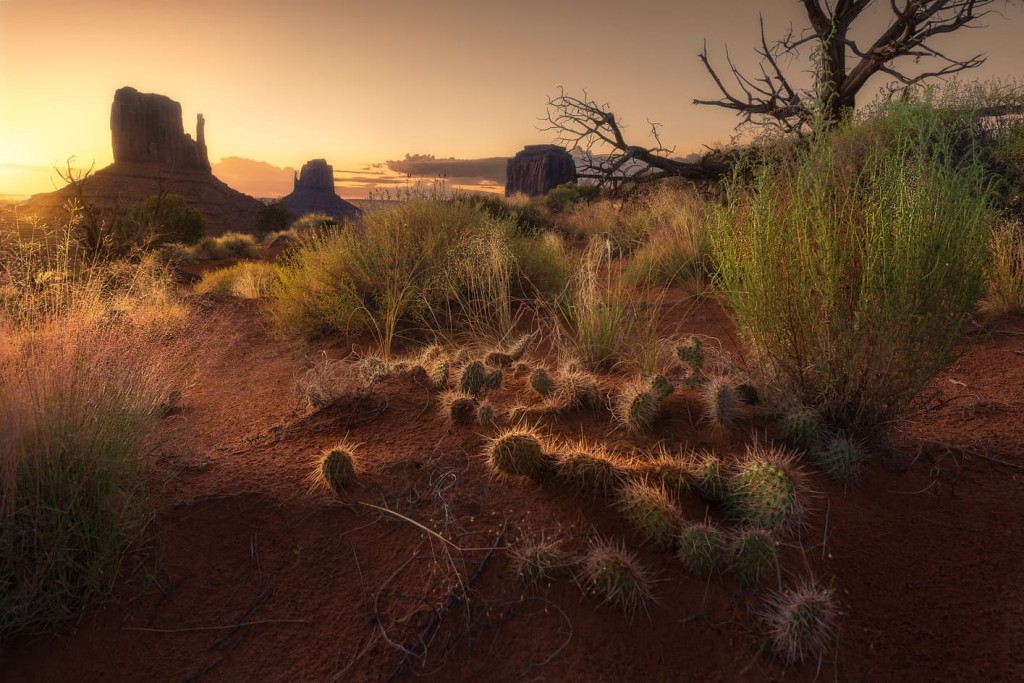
(364, 81)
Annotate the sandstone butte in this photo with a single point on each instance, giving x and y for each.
(537, 169)
(314, 193)
(153, 154)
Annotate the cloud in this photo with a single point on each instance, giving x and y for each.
(487, 171)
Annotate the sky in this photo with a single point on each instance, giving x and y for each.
(365, 82)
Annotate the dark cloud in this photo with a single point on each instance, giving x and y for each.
(461, 171)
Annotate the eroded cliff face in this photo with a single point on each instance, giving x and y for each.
(148, 128)
(537, 169)
(314, 193)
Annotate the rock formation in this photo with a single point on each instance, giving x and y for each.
(314, 193)
(153, 154)
(538, 169)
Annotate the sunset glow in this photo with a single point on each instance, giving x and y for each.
(362, 83)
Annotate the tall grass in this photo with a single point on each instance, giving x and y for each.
(1006, 270)
(246, 280)
(423, 262)
(602, 321)
(853, 265)
(674, 250)
(81, 389)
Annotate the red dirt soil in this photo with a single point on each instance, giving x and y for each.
(247, 575)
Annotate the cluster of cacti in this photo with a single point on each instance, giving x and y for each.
(542, 382)
(650, 511)
(692, 353)
(840, 459)
(702, 547)
(459, 407)
(722, 403)
(336, 470)
(618, 577)
(764, 491)
(660, 386)
(751, 554)
(637, 406)
(588, 470)
(802, 428)
(517, 452)
(800, 622)
(537, 562)
(708, 477)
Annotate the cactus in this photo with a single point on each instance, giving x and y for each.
(661, 386)
(708, 477)
(692, 353)
(492, 380)
(337, 469)
(517, 452)
(648, 509)
(588, 470)
(802, 428)
(764, 490)
(637, 406)
(841, 460)
(538, 562)
(519, 346)
(721, 402)
(473, 377)
(438, 374)
(800, 622)
(541, 382)
(498, 359)
(751, 553)
(672, 473)
(485, 414)
(458, 407)
(701, 548)
(575, 388)
(618, 577)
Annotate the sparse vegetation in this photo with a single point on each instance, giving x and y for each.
(1006, 270)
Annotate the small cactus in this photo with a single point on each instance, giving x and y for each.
(575, 388)
(517, 452)
(498, 359)
(541, 382)
(458, 407)
(588, 470)
(637, 406)
(661, 386)
(492, 380)
(438, 373)
(751, 553)
(336, 470)
(708, 477)
(841, 460)
(649, 510)
(701, 548)
(473, 377)
(692, 353)
(721, 402)
(618, 577)
(802, 428)
(538, 562)
(764, 491)
(800, 623)
(485, 414)
(519, 346)
(672, 473)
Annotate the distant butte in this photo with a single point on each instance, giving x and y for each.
(314, 192)
(153, 153)
(538, 169)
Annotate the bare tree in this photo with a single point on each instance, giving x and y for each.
(842, 66)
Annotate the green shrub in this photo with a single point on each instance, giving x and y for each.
(674, 249)
(852, 265)
(1006, 271)
(545, 266)
(272, 217)
(313, 222)
(563, 197)
(239, 245)
(173, 218)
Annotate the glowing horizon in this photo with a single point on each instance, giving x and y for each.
(361, 83)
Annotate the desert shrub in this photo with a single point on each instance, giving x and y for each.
(853, 264)
(1006, 271)
(602, 321)
(239, 245)
(426, 262)
(545, 265)
(210, 249)
(674, 250)
(527, 217)
(313, 222)
(563, 197)
(242, 280)
(81, 388)
(272, 217)
(177, 254)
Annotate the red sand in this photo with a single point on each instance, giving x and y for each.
(924, 555)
